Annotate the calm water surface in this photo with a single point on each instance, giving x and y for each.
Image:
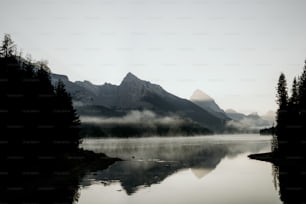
(207, 169)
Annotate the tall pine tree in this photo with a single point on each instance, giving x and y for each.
(66, 116)
(294, 99)
(8, 47)
(302, 94)
(282, 101)
(293, 108)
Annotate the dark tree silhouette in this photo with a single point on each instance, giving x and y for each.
(291, 117)
(282, 93)
(39, 154)
(302, 98)
(67, 118)
(8, 47)
(36, 118)
(294, 99)
(282, 101)
(293, 121)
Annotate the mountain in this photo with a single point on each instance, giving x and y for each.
(250, 121)
(238, 121)
(207, 103)
(235, 115)
(135, 94)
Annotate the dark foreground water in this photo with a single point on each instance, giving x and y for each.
(208, 169)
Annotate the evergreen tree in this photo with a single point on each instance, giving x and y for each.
(8, 47)
(294, 99)
(282, 93)
(293, 116)
(66, 116)
(302, 91)
(282, 101)
(45, 80)
(302, 100)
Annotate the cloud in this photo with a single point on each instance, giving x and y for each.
(248, 124)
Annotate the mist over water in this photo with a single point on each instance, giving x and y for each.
(176, 148)
(212, 169)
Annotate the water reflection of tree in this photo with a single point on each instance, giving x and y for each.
(289, 147)
(40, 161)
(291, 182)
(275, 176)
(44, 181)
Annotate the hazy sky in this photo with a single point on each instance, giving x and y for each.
(234, 50)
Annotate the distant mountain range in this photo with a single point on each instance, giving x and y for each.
(136, 94)
(251, 121)
(132, 94)
(236, 120)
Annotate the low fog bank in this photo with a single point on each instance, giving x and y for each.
(139, 123)
(246, 125)
(135, 117)
(144, 123)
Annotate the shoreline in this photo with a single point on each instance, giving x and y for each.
(290, 160)
(267, 157)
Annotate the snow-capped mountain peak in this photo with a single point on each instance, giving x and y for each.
(207, 103)
(199, 95)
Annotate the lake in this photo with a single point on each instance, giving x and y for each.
(180, 170)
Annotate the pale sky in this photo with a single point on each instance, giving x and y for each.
(234, 50)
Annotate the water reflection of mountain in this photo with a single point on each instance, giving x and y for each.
(200, 172)
(152, 162)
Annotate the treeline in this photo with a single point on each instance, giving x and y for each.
(291, 115)
(39, 135)
(142, 130)
(267, 131)
(36, 118)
